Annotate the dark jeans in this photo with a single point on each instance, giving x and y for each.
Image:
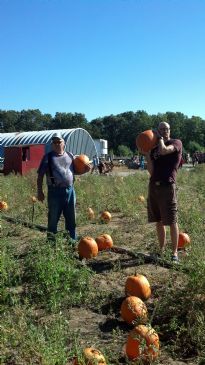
(61, 200)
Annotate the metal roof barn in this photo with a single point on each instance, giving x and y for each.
(78, 140)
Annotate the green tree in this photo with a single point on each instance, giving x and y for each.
(9, 121)
(124, 151)
(194, 147)
(69, 121)
(30, 120)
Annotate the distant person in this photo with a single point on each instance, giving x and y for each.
(188, 158)
(136, 161)
(101, 167)
(141, 163)
(95, 164)
(195, 159)
(58, 167)
(162, 163)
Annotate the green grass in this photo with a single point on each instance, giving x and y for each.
(54, 276)
(40, 283)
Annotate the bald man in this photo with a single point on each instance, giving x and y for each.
(162, 163)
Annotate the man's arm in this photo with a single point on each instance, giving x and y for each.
(163, 149)
(40, 193)
(149, 164)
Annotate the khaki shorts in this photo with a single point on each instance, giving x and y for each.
(162, 203)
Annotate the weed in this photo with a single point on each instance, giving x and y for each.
(54, 277)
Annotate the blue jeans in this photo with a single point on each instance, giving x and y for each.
(61, 200)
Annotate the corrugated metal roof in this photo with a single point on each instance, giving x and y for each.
(77, 140)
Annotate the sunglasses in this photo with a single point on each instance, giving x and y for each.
(164, 129)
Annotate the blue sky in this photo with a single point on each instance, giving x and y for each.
(102, 57)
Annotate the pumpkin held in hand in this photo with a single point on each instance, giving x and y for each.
(87, 247)
(91, 356)
(139, 286)
(104, 241)
(146, 141)
(184, 240)
(134, 309)
(142, 343)
(81, 164)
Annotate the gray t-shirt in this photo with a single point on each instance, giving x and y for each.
(61, 168)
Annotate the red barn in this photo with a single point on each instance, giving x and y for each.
(22, 158)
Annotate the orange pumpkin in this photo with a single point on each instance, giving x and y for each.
(184, 240)
(3, 205)
(106, 216)
(87, 247)
(146, 141)
(81, 164)
(139, 286)
(91, 356)
(104, 241)
(91, 214)
(134, 309)
(142, 343)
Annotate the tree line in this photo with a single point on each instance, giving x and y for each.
(120, 130)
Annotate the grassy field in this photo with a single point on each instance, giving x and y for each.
(53, 305)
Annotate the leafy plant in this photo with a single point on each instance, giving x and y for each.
(54, 276)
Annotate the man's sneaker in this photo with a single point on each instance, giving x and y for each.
(175, 259)
(72, 242)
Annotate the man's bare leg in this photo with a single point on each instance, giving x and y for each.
(174, 233)
(161, 234)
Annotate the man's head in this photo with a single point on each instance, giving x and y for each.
(58, 142)
(164, 130)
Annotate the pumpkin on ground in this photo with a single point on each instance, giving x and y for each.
(134, 309)
(3, 205)
(139, 286)
(106, 216)
(81, 164)
(141, 198)
(146, 141)
(91, 214)
(87, 247)
(142, 343)
(104, 241)
(91, 356)
(184, 240)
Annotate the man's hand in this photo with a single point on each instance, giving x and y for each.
(141, 151)
(156, 132)
(40, 195)
(88, 167)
